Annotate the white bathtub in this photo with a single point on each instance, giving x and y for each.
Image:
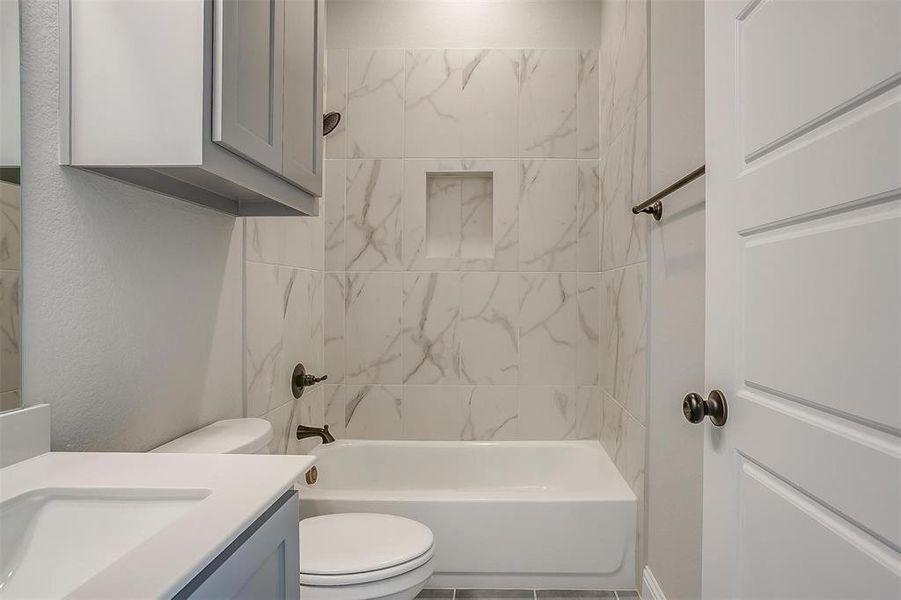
(504, 514)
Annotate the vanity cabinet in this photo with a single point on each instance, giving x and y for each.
(263, 562)
(218, 102)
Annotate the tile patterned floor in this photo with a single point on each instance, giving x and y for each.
(446, 594)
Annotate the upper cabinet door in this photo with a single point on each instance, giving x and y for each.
(303, 63)
(248, 79)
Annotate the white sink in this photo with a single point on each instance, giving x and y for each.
(89, 525)
(74, 533)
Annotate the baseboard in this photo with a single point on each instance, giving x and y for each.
(650, 589)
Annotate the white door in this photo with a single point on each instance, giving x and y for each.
(802, 485)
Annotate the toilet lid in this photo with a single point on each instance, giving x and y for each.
(349, 543)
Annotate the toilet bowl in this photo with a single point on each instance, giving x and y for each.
(357, 556)
(348, 556)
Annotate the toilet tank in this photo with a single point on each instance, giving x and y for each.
(231, 436)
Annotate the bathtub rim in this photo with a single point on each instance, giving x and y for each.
(616, 489)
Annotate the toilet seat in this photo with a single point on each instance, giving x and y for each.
(356, 548)
(399, 587)
(368, 576)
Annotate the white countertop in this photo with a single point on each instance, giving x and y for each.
(240, 487)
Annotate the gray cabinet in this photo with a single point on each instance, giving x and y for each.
(247, 85)
(302, 89)
(263, 563)
(226, 113)
(267, 93)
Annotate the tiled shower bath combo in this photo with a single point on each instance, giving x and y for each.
(476, 273)
(499, 335)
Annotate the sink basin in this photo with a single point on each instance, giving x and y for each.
(74, 533)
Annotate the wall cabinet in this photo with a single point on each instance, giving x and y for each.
(263, 562)
(218, 102)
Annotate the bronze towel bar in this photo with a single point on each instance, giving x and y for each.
(654, 205)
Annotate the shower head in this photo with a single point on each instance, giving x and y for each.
(330, 122)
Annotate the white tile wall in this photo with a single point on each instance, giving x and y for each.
(284, 283)
(372, 224)
(548, 118)
(548, 328)
(270, 295)
(559, 412)
(589, 306)
(432, 105)
(548, 215)
(623, 337)
(374, 412)
(434, 412)
(373, 327)
(588, 103)
(489, 104)
(334, 326)
(589, 209)
(333, 409)
(10, 353)
(622, 64)
(336, 100)
(491, 413)
(624, 184)
(489, 328)
(464, 339)
(375, 103)
(333, 206)
(431, 328)
(623, 140)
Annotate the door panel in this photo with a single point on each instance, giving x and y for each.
(809, 449)
(806, 285)
(779, 524)
(780, 40)
(248, 79)
(303, 93)
(803, 483)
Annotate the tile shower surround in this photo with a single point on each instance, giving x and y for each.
(545, 339)
(501, 346)
(10, 275)
(527, 116)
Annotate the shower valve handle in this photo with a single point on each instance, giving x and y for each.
(301, 379)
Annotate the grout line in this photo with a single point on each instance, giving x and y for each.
(461, 271)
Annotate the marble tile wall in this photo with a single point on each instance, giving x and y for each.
(543, 338)
(503, 343)
(284, 295)
(10, 272)
(623, 288)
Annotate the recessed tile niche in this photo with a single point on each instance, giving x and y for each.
(459, 214)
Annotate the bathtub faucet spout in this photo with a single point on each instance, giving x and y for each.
(323, 433)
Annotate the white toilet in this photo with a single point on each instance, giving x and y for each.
(348, 556)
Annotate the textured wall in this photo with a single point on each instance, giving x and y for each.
(501, 346)
(132, 301)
